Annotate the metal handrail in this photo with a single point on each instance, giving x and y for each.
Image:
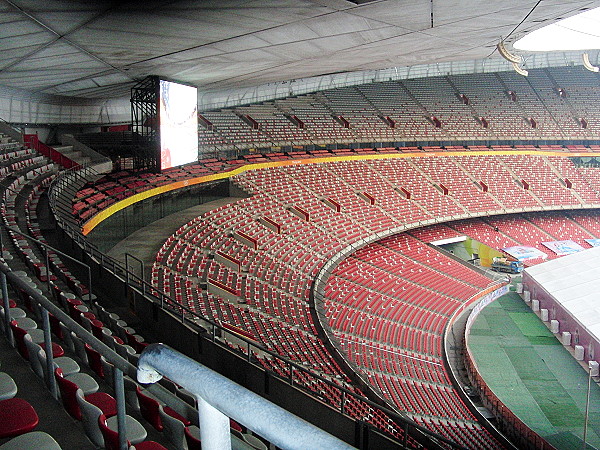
(121, 365)
(276, 425)
(220, 398)
(46, 248)
(47, 307)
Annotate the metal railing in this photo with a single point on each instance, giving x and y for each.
(10, 130)
(32, 141)
(45, 250)
(121, 366)
(63, 183)
(47, 307)
(220, 398)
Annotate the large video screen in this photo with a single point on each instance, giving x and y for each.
(178, 124)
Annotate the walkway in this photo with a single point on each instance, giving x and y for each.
(145, 242)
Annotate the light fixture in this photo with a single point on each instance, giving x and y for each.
(588, 65)
(520, 70)
(515, 59)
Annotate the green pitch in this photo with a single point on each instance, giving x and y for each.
(531, 372)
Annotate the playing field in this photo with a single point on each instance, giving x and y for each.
(531, 372)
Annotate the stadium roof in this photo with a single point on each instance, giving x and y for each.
(97, 49)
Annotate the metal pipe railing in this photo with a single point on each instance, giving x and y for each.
(6, 307)
(47, 307)
(127, 271)
(221, 398)
(46, 248)
(121, 365)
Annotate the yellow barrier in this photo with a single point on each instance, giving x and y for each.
(95, 220)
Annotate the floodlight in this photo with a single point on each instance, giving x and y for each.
(588, 65)
(515, 59)
(520, 70)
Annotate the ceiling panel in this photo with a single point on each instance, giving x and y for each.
(96, 49)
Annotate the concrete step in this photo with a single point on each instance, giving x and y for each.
(62, 148)
(73, 155)
(83, 160)
(66, 150)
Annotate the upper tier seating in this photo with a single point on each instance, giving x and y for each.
(423, 178)
(479, 106)
(511, 181)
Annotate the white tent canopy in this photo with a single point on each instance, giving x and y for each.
(574, 282)
(99, 49)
